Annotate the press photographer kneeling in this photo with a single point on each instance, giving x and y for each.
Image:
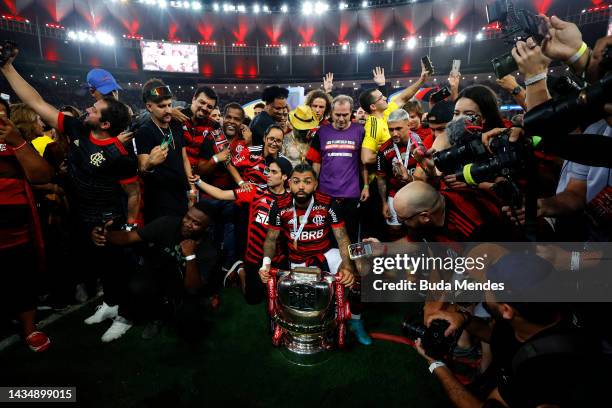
(539, 357)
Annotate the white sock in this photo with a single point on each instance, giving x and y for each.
(356, 317)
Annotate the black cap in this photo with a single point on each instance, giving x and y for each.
(442, 112)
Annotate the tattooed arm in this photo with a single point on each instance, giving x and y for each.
(346, 270)
(269, 248)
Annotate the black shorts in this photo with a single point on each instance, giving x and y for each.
(18, 279)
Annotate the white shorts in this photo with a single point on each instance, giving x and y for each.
(393, 221)
(333, 261)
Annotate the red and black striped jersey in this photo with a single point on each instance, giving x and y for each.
(471, 215)
(314, 239)
(194, 134)
(252, 165)
(259, 202)
(386, 160)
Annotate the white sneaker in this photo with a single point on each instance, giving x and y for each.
(103, 312)
(119, 327)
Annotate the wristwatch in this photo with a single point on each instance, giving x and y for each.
(517, 90)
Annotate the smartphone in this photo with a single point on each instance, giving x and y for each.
(440, 95)
(360, 250)
(456, 66)
(428, 65)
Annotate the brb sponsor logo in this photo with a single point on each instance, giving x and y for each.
(308, 235)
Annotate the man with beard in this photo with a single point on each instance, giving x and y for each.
(306, 219)
(275, 99)
(395, 163)
(215, 167)
(259, 202)
(181, 259)
(162, 157)
(101, 171)
(199, 124)
(539, 357)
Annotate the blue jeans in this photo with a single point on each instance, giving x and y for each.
(225, 229)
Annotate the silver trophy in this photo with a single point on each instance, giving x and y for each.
(308, 311)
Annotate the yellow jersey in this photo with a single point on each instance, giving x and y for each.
(377, 129)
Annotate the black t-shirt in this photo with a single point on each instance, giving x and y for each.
(259, 125)
(165, 234)
(165, 188)
(97, 169)
(567, 380)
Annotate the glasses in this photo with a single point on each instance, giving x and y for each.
(272, 140)
(379, 99)
(429, 210)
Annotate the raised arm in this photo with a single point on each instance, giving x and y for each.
(409, 92)
(28, 94)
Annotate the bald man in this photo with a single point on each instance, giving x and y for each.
(460, 215)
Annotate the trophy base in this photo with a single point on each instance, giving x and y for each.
(306, 349)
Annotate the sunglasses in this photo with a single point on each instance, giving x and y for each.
(161, 91)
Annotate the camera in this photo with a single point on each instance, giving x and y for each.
(433, 340)
(472, 163)
(579, 108)
(9, 50)
(516, 25)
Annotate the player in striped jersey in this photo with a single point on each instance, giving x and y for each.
(253, 160)
(306, 219)
(259, 201)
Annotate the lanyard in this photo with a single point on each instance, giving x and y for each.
(399, 156)
(297, 232)
(416, 140)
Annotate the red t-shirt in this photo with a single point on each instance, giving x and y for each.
(259, 202)
(314, 239)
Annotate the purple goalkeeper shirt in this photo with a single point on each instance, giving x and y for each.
(340, 152)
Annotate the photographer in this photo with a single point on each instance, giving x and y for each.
(182, 258)
(537, 354)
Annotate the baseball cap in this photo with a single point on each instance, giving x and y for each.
(303, 118)
(524, 275)
(102, 81)
(442, 112)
